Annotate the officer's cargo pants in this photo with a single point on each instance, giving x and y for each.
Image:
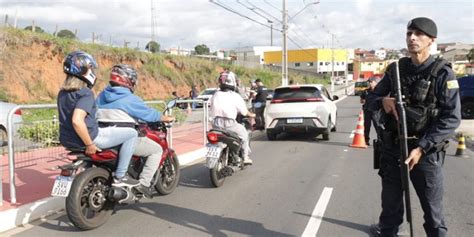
(426, 177)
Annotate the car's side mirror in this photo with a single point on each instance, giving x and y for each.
(335, 97)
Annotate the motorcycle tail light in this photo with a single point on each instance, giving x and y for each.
(66, 172)
(18, 112)
(213, 138)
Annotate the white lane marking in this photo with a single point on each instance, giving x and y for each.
(317, 216)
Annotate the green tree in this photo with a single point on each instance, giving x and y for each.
(66, 34)
(470, 55)
(153, 47)
(201, 49)
(37, 29)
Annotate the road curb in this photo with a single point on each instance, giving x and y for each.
(30, 212)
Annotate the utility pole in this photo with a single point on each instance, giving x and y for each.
(93, 37)
(284, 67)
(153, 22)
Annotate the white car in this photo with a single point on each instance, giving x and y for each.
(4, 110)
(303, 109)
(206, 94)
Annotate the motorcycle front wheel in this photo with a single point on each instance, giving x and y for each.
(217, 179)
(168, 176)
(87, 206)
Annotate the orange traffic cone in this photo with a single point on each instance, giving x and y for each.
(461, 145)
(359, 139)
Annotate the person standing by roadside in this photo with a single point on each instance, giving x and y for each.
(431, 97)
(366, 98)
(259, 104)
(193, 94)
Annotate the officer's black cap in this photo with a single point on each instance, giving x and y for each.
(426, 25)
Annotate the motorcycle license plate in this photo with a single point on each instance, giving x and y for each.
(212, 155)
(61, 186)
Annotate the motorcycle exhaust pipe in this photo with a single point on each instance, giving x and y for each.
(117, 194)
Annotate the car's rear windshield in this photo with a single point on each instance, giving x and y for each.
(289, 93)
(208, 92)
(361, 84)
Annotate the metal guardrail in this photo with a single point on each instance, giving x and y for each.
(11, 154)
(11, 145)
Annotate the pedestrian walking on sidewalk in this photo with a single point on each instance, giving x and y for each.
(431, 96)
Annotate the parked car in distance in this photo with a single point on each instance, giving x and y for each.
(206, 94)
(360, 86)
(302, 109)
(466, 93)
(5, 109)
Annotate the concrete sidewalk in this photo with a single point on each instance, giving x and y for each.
(34, 177)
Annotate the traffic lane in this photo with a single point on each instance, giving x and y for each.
(280, 191)
(266, 199)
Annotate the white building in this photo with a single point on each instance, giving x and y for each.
(253, 56)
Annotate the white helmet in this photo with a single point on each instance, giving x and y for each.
(227, 80)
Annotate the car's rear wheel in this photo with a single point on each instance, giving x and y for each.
(271, 136)
(467, 110)
(327, 131)
(334, 129)
(3, 136)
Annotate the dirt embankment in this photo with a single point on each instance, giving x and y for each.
(31, 71)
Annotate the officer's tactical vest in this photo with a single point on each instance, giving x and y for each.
(418, 94)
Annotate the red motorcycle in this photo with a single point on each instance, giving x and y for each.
(87, 181)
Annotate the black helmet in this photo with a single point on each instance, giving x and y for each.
(124, 75)
(81, 65)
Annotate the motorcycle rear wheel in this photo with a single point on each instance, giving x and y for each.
(168, 176)
(87, 206)
(217, 179)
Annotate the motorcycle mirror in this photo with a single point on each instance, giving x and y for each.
(171, 104)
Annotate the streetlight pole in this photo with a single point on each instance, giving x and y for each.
(284, 71)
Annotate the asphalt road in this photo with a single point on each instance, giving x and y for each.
(293, 182)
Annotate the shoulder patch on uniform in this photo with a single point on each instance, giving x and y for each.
(453, 84)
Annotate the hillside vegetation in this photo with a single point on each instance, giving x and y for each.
(31, 68)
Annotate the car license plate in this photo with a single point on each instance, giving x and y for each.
(294, 120)
(61, 186)
(212, 155)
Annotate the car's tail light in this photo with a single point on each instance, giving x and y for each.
(18, 112)
(313, 99)
(66, 172)
(213, 138)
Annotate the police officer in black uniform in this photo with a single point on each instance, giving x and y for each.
(367, 98)
(431, 95)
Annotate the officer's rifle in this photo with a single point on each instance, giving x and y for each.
(402, 135)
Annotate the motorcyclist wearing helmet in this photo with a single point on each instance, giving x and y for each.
(117, 103)
(225, 105)
(77, 117)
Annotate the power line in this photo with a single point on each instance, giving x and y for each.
(244, 16)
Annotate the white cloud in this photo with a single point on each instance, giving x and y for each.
(355, 23)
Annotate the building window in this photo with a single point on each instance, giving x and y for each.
(310, 64)
(380, 64)
(320, 63)
(297, 64)
(342, 63)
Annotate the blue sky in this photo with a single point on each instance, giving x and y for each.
(369, 24)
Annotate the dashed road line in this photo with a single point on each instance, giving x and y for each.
(317, 216)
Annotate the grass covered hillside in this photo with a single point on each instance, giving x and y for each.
(31, 68)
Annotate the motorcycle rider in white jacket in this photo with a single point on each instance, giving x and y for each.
(225, 104)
